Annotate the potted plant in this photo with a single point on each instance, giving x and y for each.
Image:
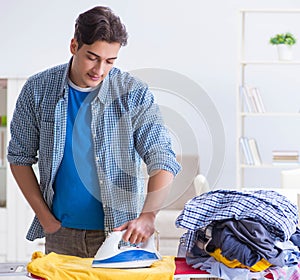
(284, 43)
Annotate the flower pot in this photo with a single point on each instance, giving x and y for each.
(285, 52)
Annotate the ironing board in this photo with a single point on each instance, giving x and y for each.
(182, 272)
(185, 272)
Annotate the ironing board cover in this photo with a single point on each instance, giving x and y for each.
(55, 266)
(183, 268)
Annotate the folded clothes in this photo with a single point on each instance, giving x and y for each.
(273, 210)
(242, 230)
(260, 265)
(244, 240)
(243, 243)
(237, 244)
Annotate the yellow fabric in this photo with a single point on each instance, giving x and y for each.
(259, 266)
(55, 267)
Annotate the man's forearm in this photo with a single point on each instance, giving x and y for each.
(159, 185)
(29, 186)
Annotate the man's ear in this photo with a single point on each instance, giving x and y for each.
(74, 46)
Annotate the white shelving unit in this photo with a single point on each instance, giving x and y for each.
(245, 61)
(15, 213)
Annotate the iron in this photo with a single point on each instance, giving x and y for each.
(110, 255)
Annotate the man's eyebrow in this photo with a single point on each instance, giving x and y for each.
(92, 53)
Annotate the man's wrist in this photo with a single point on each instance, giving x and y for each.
(150, 215)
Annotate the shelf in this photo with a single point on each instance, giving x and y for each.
(268, 62)
(253, 64)
(15, 213)
(270, 165)
(269, 11)
(273, 114)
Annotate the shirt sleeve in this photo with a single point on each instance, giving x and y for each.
(23, 146)
(152, 139)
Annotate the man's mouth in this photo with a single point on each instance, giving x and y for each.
(94, 77)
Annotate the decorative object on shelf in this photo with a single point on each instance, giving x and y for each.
(3, 120)
(285, 156)
(284, 43)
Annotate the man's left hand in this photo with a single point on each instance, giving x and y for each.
(138, 230)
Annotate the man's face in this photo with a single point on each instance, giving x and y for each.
(91, 63)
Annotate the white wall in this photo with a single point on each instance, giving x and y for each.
(196, 38)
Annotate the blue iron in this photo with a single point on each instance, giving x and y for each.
(110, 255)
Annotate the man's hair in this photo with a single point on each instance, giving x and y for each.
(99, 24)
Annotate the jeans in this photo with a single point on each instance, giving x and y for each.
(74, 242)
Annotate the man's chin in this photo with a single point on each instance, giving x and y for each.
(93, 83)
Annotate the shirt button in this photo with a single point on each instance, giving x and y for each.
(101, 182)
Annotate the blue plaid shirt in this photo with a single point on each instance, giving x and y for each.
(274, 211)
(126, 128)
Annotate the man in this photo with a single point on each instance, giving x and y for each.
(89, 126)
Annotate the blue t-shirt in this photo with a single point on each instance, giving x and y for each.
(76, 200)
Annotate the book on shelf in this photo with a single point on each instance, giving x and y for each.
(245, 149)
(250, 151)
(254, 150)
(285, 156)
(251, 99)
(258, 100)
(292, 158)
(285, 153)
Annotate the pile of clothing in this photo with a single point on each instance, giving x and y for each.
(241, 234)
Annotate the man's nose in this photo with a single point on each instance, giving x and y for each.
(100, 68)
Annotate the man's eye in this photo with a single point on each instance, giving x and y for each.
(92, 58)
(109, 62)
